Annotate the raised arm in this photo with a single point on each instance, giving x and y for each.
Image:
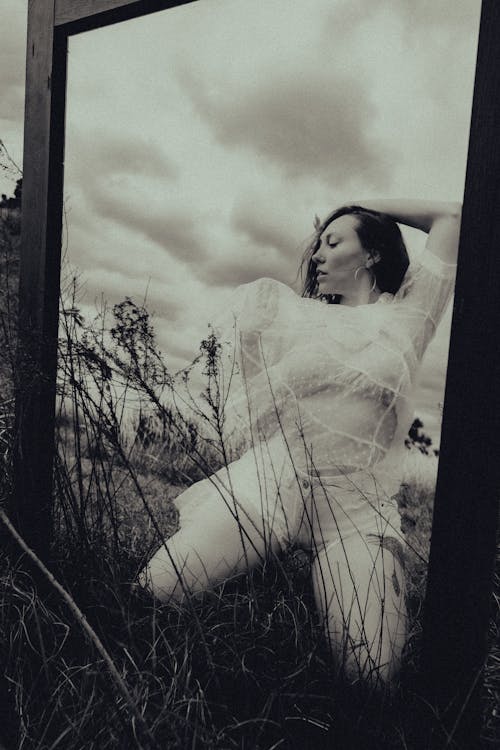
(441, 220)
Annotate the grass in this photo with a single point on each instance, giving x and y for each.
(246, 665)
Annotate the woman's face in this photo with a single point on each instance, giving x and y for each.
(339, 255)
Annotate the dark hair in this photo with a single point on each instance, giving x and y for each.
(378, 233)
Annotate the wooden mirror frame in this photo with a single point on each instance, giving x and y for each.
(459, 586)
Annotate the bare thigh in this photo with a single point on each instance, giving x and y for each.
(218, 540)
(359, 589)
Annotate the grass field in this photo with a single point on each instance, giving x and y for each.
(101, 665)
(246, 666)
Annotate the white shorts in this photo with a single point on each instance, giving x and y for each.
(312, 512)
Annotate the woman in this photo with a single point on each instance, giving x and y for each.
(320, 403)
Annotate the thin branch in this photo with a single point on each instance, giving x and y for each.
(3, 148)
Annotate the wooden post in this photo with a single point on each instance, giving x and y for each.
(40, 274)
(463, 545)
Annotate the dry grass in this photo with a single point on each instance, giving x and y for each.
(245, 666)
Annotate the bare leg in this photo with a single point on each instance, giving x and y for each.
(359, 588)
(218, 539)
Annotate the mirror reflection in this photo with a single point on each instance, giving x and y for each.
(262, 209)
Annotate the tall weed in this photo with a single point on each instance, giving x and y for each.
(246, 665)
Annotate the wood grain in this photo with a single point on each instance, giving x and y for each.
(67, 11)
(75, 16)
(39, 275)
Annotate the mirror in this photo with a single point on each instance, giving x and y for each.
(201, 143)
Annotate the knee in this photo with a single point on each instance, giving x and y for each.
(146, 582)
(361, 667)
(354, 664)
(363, 656)
(161, 579)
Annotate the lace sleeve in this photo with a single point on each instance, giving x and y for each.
(423, 298)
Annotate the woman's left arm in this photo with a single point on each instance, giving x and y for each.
(441, 220)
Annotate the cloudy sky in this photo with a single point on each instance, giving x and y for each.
(202, 140)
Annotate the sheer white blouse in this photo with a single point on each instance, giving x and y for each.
(336, 382)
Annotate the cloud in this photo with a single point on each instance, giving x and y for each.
(252, 249)
(177, 234)
(244, 266)
(130, 181)
(12, 76)
(240, 268)
(12, 103)
(446, 15)
(116, 153)
(312, 126)
(12, 70)
(260, 224)
(105, 155)
(117, 286)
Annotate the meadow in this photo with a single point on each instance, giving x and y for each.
(91, 661)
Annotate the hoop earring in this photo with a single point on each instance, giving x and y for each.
(358, 269)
